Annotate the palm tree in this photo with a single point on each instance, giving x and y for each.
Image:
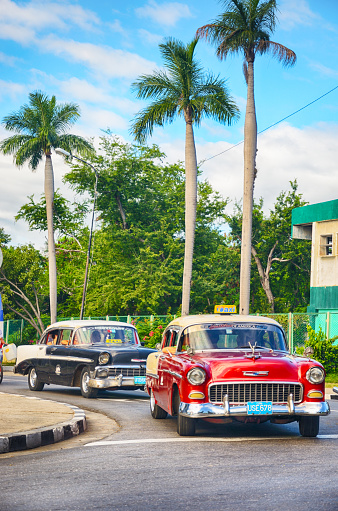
(182, 90)
(39, 127)
(245, 27)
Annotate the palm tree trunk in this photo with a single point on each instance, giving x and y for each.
(49, 195)
(190, 212)
(250, 147)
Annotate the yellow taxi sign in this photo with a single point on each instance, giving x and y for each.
(225, 309)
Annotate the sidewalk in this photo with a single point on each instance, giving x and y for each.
(27, 422)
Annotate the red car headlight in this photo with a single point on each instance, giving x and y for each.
(315, 375)
(196, 376)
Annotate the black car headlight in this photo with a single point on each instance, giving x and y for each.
(102, 372)
(315, 375)
(196, 376)
(104, 358)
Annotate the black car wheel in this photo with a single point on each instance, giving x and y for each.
(87, 391)
(185, 425)
(34, 382)
(156, 411)
(309, 426)
(1, 373)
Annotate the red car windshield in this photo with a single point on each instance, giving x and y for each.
(233, 336)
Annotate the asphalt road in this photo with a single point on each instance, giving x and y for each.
(143, 465)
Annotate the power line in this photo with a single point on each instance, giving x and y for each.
(271, 125)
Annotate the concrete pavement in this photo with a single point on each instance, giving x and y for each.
(27, 422)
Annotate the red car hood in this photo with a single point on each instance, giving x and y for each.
(231, 365)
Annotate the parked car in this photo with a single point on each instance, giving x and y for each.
(91, 355)
(233, 368)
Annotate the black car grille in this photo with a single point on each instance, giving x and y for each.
(241, 393)
(127, 371)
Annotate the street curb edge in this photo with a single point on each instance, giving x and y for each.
(44, 436)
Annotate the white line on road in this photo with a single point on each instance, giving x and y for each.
(199, 439)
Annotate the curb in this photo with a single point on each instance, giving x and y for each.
(47, 435)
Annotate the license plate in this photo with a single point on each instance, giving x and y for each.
(139, 380)
(259, 407)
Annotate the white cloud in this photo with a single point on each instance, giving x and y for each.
(285, 153)
(324, 70)
(117, 27)
(8, 60)
(293, 13)
(94, 120)
(41, 15)
(167, 13)
(150, 38)
(81, 90)
(104, 60)
(11, 89)
(17, 33)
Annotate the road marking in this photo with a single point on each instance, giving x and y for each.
(200, 439)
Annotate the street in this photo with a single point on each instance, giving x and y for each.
(144, 464)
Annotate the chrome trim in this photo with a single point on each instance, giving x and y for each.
(226, 405)
(255, 373)
(151, 375)
(256, 383)
(117, 381)
(172, 373)
(70, 359)
(291, 404)
(197, 410)
(139, 360)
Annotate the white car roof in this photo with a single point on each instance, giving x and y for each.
(76, 323)
(185, 321)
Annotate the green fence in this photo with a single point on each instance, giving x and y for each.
(294, 324)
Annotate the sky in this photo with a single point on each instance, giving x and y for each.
(90, 52)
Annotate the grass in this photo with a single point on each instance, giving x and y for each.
(331, 380)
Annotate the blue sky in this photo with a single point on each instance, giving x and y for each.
(90, 52)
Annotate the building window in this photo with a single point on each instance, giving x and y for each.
(326, 247)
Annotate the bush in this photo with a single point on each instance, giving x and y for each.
(324, 350)
(151, 331)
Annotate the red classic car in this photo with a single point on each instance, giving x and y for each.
(234, 368)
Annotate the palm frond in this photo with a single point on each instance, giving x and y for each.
(12, 144)
(41, 125)
(157, 85)
(75, 144)
(280, 52)
(156, 114)
(245, 26)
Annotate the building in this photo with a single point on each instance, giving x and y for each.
(319, 223)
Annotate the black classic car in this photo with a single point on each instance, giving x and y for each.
(91, 355)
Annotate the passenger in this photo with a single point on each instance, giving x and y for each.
(95, 337)
(52, 338)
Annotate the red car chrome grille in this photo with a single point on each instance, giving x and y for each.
(127, 371)
(241, 393)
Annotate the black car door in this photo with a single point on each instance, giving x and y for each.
(59, 367)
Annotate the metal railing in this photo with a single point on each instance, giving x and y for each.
(294, 324)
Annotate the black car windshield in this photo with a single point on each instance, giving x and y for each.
(233, 336)
(102, 334)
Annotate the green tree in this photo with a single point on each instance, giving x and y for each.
(41, 126)
(4, 238)
(24, 284)
(280, 279)
(182, 90)
(139, 245)
(245, 27)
